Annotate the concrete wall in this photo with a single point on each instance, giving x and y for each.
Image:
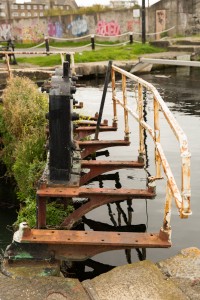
(183, 14)
(111, 23)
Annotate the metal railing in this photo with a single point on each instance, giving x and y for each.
(10, 70)
(182, 198)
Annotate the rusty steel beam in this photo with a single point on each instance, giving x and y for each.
(89, 242)
(83, 131)
(99, 167)
(73, 237)
(81, 245)
(77, 245)
(89, 147)
(62, 191)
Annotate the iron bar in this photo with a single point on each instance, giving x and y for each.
(124, 91)
(157, 137)
(140, 103)
(107, 78)
(114, 98)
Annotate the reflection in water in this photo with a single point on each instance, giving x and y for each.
(180, 90)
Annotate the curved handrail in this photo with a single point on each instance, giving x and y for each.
(182, 199)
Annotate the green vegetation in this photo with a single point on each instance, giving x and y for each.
(127, 52)
(22, 126)
(80, 11)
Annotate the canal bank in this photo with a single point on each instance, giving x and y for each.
(177, 278)
(89, 69)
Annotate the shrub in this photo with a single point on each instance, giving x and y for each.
(22, 116)
(22, 126)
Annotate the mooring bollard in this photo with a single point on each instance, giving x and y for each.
(131, 37)
(47, 44)
(93, 42)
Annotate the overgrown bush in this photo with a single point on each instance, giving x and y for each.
(22, 117)
(22, 126)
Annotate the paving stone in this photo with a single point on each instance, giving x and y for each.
(184, 270)
(45, 288)
(141, 281)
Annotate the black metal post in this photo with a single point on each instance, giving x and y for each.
(68, 58)
(47, 44)
(131, 38)
(143, 22)
(92, 42)
(107, 78)
(60, 127)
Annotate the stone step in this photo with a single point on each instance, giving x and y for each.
(49, 288)
(142, 280)
(176, 278)
(188, 42)
(184, 48)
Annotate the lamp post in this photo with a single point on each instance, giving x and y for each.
(143, 23)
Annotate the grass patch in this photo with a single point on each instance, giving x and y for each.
(128, 52)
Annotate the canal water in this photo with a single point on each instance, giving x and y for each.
(180, 89)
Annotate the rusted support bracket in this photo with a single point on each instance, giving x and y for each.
(89, 147)
(97, 197)
(100, 167)
(99, 200)
(83, 131)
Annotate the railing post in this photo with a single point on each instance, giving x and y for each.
(141, 129)
(115, 120)
(168, 205)
(8, 66)
(165, 231)
(47, 44)
(186, 189)
(107, 79)
(92, 42)
(124, 91)
(157, 137)
(73, 64)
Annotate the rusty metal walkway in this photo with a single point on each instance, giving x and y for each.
(66, 179)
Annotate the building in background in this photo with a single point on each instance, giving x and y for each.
(123, 3)
(11, 9)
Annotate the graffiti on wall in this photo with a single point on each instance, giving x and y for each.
(78, 27)
(133, 25)
(55, 29)
(5, 31)
(29, 30)
(108, 28)
(160, 22)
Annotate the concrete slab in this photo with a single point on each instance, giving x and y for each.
(47, 288)
(184, 270)
(141, 281)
